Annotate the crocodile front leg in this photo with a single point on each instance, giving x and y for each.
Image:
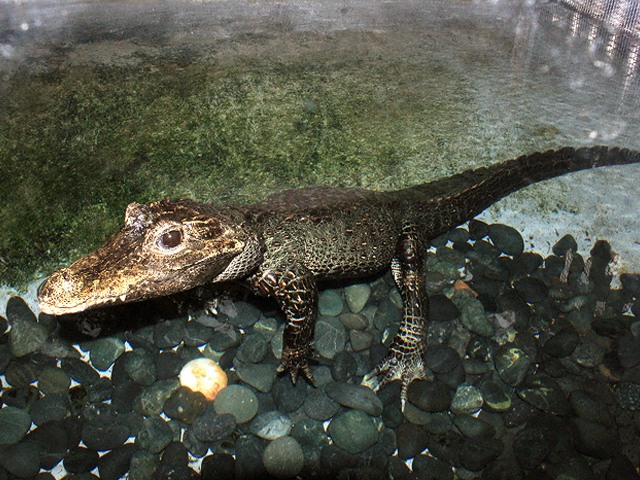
(404, 360)
(295, 290)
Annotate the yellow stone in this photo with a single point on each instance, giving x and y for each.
(205, 376)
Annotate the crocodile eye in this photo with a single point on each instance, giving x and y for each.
(170, 239)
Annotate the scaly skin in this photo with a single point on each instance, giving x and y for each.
(283, 246)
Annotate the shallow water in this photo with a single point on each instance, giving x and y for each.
(105, 104)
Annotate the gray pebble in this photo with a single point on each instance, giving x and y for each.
(357, 296)
(353, 431)
(237, 400)
(467, 400)
(154, 435)
(213, 427)
(330, 303)
(271, 425)
(283, 458)
(259, 375)
(105, 351)
(15, 424)
(330, 337)
(355, 396)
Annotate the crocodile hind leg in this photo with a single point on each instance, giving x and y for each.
(295, 290)
(404, 360)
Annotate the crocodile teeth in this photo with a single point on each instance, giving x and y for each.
(123, 297)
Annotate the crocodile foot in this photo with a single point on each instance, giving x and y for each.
(405, 367)
(296, 362)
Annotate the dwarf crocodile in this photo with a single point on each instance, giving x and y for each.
(282, 246)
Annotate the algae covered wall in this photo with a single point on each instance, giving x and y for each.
(106, 104)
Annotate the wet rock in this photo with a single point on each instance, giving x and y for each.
(566, 243)
(357, 296)
(533, 444)
(360, 341)
(219, 466)
(441, 359)
(355, 396)
(411, 440)
(588, 353)
(249, 450)
(330, 303)
(244, 314)
(152, 398)
(185, 405)
(238, 401)
(628, 350)
(105, 432)
(544, 393)
(595, 440)
(531, 290)
(330, 337)
(467, 400)
(140, 365)
(287, 396)
(213, 427)
(478, 229)
(46, 409)
(528, 262)
(80, 460)
(21, 374)
(429, 396)
(354, 321)
(473, 427)
(430, 467)
(253, 349)
(476, 453)
(21, 459)
(563, 343)
(169, 334)
(473, 316)
(319, 406)
(15, 424)
(142, 465)
(271, 425)
(506, 238)
(114, 464)
(154, 435)
(80, 371)
(344, 367)
(225, 338)
(105, 351)
(353, 431)
(496, 399)
(628, 395)
(441, 309)
(197, 334)
(26, 335)
(51, 439)
(283, 457)
(512, 364)
(259, 375)
(587, 407)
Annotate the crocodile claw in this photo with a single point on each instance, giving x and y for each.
(296, 362)
(405, 367)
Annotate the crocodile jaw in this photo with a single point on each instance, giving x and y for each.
(60, 295)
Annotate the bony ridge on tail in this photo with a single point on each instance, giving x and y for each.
(282, 246)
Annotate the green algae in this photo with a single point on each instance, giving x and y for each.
(78, 143)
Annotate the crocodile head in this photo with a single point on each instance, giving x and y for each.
(164, 247)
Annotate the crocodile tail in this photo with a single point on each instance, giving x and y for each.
(461, 197)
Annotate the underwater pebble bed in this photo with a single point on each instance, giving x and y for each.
(536, 364)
